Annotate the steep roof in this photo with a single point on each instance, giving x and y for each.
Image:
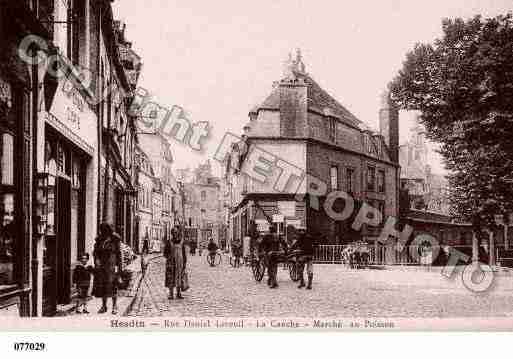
(318, 100)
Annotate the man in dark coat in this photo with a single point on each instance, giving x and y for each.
(273, 247)
(304, 244)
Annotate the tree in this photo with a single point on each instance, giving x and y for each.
(463, 86)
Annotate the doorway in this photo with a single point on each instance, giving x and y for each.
(57, 252)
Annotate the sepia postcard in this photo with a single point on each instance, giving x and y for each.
(285, 165)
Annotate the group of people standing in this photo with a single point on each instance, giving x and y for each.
(108, 269)
(108, 264)
(106, 273)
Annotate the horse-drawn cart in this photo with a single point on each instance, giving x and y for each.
(260, 262)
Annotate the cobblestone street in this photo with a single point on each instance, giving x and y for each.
(337, 292)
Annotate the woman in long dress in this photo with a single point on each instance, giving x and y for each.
(108, 263)
(174, 252)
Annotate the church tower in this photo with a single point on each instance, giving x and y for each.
(418, 150)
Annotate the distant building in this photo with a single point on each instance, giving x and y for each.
(427, 190)
(145, 186)
(330, 149)
(165, 200)
(203, 206)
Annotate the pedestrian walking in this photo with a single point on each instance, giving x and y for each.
(304, 243)
(108, 263)
(82, 280)
(176, 260)
(212, 251)
(146, 245)
(236, 252)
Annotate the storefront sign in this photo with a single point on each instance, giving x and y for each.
(262, 225)
(278, 218)
(294, 222)
(287, 208)
(71, 116)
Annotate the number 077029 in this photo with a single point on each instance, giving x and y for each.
(29, 346)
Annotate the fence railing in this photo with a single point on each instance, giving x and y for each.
(381, 254)
(328, 253)
(411, 255)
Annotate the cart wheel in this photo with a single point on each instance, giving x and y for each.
(209, 259)
(293, 271)
(258, 269)
(217, 259)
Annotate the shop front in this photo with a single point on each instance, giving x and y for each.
(15, 192)
(69, 172)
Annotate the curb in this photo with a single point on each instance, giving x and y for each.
(137, 286)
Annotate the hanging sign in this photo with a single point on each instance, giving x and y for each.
(278, 218)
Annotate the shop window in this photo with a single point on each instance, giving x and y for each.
(7, 238)
(7, 163)
(8, 193)
(76, 174)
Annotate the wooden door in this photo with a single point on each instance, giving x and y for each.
(63, 241)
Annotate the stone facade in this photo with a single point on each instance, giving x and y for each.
(301, 127)
(165, 193)
(204, 204)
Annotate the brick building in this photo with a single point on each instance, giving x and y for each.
(300, 127)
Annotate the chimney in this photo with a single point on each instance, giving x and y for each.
(389, 125)
(293, 98)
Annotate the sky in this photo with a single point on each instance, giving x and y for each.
(217, 59)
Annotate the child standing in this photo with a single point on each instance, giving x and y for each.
(82, 279)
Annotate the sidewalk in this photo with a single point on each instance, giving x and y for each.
(125, 297)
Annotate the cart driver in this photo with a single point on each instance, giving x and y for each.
(305, 244)
(274, 248)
